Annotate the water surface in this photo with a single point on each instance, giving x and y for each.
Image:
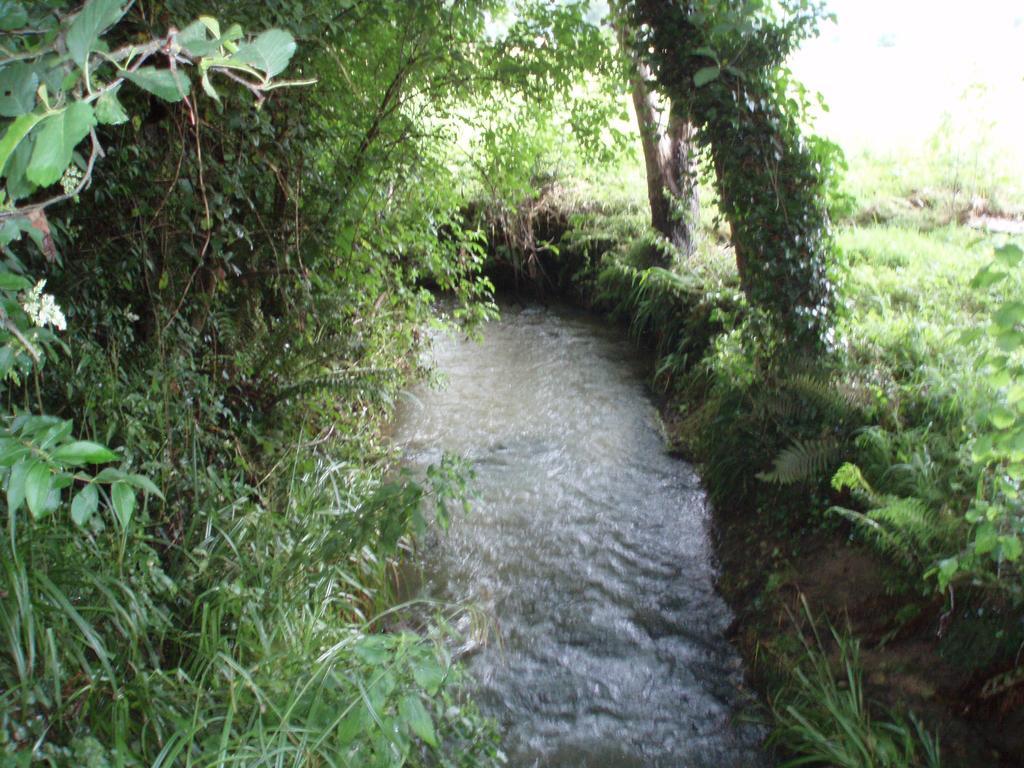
(588, 549)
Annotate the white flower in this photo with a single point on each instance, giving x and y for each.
(42, 308)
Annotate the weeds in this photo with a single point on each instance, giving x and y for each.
(271, 647)
(823, 716)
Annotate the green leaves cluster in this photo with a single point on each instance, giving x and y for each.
(230, 262)
(397, 706)
(42, 465)
(722, 64)
(60, 80)
(997, 511)
(951, 506)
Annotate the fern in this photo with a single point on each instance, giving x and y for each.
(363, 381)
(802, 461)
(906, 530)
(794, 394)
(850, 478)
(828, 393)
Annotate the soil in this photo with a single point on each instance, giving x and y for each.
(766, 573)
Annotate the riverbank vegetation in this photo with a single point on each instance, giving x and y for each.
(223, 225)
(876, 478)
(243, 213)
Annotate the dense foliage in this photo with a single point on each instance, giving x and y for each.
(224, 226)
(237, 279)
(722, 65)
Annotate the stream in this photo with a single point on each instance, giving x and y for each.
(587, 548)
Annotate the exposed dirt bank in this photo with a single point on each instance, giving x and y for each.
(764, 571)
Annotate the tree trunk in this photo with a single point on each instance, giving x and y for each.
(671, 162)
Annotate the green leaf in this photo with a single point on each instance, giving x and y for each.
(56, 141)
(1009, 314)
(84, 505)
(211, 24)
(1015, 394)
(109, 110)
(1011, 548)
(110, 475)
(18, 83)
(270, 52)
(354, 724)
(195, 39)
(415, 715)
(12, 15)
(9, 232)
(986, 278)
(11, 451)
(1001, 417)
(83, 452)
(999, 378)
(373, 650)
(54, 435)
(145, 484)
(38, 482)
(18, 186)
(1009, 255)
(12, 282)
(705, 75)
(1010, 341)
(983, 448)
(7, 360)
(234, 32)
(166, 84)
(971, 336)
(428, 674)
(16, 485)
(947, 570)
(90, 22)
(15, 132)
(122, 496)
(208, 87)
(986, 539)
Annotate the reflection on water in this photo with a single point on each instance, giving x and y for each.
(588, 547)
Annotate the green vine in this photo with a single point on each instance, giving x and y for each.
(721, 62)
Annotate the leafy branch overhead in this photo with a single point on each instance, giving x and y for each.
(58, 84)
(59, 81)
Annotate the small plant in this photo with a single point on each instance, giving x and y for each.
(823, 717)
(906, 529)
(996, 513)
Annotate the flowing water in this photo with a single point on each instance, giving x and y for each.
(587, 547)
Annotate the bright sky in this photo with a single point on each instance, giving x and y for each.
(889, 69)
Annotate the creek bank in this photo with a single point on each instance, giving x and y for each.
(775, 548)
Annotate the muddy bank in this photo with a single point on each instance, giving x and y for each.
(764, 572)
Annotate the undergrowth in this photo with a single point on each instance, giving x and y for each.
(823, 718)
(876, 441)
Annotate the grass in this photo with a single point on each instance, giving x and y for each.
(822, 717)
(278, 644)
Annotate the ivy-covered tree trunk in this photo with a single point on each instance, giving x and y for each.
(720, 61)
(670, 160)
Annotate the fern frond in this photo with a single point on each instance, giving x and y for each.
(802, 461)
(827, 392)
(778, 405)
(882, 538)
(849, 477)
(906, 530)
(917, 525)
(367, 381)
